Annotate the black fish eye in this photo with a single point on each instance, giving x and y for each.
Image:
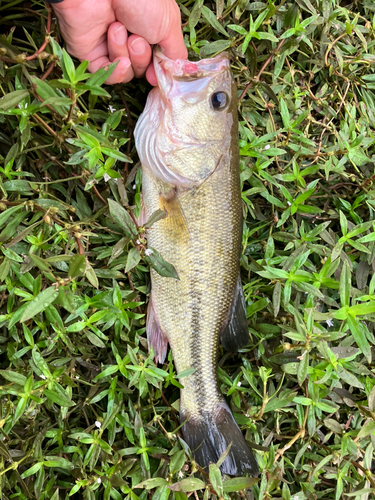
(219, 100)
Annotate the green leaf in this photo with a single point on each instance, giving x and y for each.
(257, 306)
(343, 223)
(239, 29)
(66, 299)
(122, 217)
(4, 216)
(156, 261)
(211, 18)
(58, 462)
(215, 479)
(91, 275)
(189, 484)
(12, 99)
(58, 398)
(268, 36)
(359, 335)
(215, 47)
(303, 368)
(68, 66)
(154, 482)
(40, 263)
(15, 377)
(110, 370)
(302, 400)
(33, 470)
(155, 217)
(326, 407)
(186, 373)
(94, 339)
(177, 461)
(239, 483)
(101, 75)
(76, 327)
(366, 430)
(77, 266)
(359, 309)
(133, 259)
(40, 303)
(345, 285)
(284, 113)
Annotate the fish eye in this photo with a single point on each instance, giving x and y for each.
(219, 100)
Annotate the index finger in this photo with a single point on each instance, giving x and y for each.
(173, 45)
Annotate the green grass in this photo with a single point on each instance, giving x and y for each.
(84, 411)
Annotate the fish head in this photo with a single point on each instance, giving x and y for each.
(189, 119)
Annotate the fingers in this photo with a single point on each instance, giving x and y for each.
(115, 49)
(173, 43)
(133, 48)
(117, 39)
(140, 54)
(151, 75)
(158, 23)
(122, 73)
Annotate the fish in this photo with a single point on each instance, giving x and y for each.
(187, 142)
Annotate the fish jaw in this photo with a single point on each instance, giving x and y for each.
(183, 70)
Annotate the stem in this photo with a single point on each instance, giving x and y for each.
(47, 127)
(60, 180)
(11, 4)
(256, 78)
(72, 106)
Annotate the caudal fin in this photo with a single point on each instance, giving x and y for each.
(209, 435)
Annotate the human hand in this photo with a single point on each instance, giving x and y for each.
(97, 30)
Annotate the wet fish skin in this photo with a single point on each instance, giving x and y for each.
(189, 154)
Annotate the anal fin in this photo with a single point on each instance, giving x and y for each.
(236, 333)
(155, 336)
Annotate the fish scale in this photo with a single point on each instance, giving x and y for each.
(208, 277)
(189, 155)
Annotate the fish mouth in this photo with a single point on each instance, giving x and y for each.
(186, 71)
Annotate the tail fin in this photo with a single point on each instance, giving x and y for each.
(209, 435)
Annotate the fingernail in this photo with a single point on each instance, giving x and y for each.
(138, 46)
(120, 35)
(127, 64)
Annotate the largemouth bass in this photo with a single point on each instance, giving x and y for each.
(187, 141)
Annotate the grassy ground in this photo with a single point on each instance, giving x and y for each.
(84, 412)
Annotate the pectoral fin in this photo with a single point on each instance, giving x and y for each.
(236, 333)
(175, 219)
(155, 336)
